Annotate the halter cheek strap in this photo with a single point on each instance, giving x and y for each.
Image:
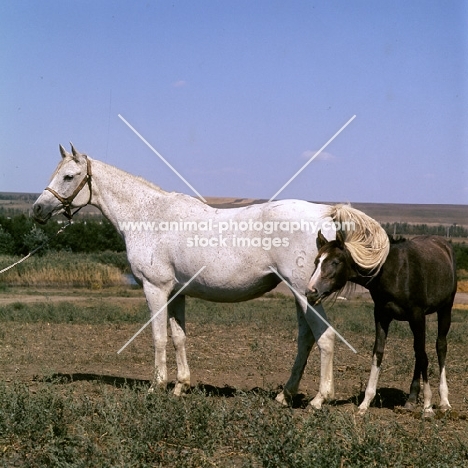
(67, 201)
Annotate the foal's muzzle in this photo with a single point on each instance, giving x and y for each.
(314, 297)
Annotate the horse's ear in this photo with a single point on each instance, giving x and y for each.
(76, 154)
(63, 152)
(74, 151)
(340, 238)
(321, 240)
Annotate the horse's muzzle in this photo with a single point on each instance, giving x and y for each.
(39, 215)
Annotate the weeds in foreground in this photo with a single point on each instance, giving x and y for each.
(127, 427)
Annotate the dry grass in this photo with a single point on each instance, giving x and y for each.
(60, 269)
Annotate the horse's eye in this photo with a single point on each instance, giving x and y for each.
(68, 177)
(335, 262)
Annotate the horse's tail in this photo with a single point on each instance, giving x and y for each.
(364, 237)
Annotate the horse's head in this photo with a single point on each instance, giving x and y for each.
(69, 188)
(333, 268)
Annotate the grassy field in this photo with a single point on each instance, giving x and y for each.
(62, 269)
(67, 399)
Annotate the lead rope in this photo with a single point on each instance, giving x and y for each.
(37, 248)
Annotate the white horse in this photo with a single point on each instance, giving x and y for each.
(170, 237)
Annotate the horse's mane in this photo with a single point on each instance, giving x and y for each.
(135, 177)
(132, 176)
(366, 241)
(148, 183)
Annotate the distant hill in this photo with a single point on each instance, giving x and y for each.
(382, 212)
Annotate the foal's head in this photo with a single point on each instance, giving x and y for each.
(333, 268)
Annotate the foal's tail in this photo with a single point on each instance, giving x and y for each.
(364, 237)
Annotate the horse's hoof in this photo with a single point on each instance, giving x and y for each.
(361, 412)
(155, 386)
(281, 399)
(317, 402)
(181, 389)
(428, 413)
(409, 406)
(446, 412)
(444, 408)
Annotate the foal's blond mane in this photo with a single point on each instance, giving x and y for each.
(365, 239)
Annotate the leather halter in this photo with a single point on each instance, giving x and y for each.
(67, 201)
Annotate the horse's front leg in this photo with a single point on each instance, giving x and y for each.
(305, 341)
(381, 332)
(157, 300)
(177, 322)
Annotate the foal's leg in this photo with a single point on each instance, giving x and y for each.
(177, 322)
(325, 337)
(381, 332)
(157, 299)
(418, 327)
(444, 319)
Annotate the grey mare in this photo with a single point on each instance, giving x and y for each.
(237, 248)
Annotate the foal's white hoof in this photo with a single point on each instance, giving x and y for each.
(281, 399)
(361, 412)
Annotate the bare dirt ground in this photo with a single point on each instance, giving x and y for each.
(223, 358)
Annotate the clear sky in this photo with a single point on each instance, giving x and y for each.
(236, 95)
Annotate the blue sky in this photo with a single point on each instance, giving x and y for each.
(236, 95)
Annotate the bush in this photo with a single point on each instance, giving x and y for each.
(461, 255)
(19, 235)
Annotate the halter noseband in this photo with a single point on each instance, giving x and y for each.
(66, 202)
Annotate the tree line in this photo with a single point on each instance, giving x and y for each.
(19, 234)
(408, 229)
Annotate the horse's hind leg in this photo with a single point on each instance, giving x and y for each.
(418, 327)
(177, 322)
(444, 316)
